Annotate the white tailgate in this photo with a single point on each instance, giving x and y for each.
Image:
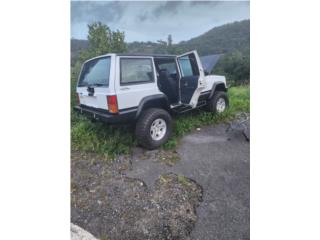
(98, 100)
(99, 97)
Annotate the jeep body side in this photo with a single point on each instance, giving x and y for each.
(119, 88)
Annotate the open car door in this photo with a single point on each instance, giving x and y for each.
(192, 80)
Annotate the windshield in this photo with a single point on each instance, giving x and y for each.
(95, 73)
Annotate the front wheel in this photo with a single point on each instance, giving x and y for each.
(218, 103)
(153, 128)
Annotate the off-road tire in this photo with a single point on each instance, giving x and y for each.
(143, 126)
(212, 104)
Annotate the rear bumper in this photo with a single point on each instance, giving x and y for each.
(105, 116)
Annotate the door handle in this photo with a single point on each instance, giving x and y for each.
(125, 88)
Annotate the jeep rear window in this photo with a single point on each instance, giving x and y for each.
(136, 70)
(96, 73)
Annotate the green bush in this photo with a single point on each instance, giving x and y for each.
(235, 66)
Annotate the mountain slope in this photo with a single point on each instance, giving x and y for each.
(223, 39)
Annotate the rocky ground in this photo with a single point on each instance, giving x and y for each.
(199, 191)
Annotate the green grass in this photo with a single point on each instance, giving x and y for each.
(184, 181)
(97, 137)
(111, 141)
(239, 102)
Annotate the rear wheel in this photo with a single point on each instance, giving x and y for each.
(153, 128)
(219, 102)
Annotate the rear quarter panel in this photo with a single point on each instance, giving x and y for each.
(211, 79)
(130, 96)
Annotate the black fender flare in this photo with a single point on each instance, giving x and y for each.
(215, 85)
(157, 100)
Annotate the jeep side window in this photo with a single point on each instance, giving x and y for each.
(188, 66)
(136, 70)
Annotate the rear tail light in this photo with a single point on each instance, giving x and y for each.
(112, 104)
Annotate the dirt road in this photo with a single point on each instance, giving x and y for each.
(219, 162)
(215, 160)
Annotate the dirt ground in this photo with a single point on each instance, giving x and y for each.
(200, 191)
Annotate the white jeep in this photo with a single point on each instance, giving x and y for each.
(146, 89)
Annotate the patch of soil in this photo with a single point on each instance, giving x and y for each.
(168, 157)
(112, 206)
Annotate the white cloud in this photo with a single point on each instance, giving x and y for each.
(143, 21)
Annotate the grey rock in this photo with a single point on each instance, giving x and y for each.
(77, 233)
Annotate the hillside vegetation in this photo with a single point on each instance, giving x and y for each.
(232, 40)
(77, 46)
(223, 39)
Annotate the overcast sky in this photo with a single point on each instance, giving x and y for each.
(151, 21)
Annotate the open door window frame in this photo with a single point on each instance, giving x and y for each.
(201, 80)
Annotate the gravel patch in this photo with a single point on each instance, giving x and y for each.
(112, 206)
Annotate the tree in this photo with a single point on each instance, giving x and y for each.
(173, 48)
(169, 40)
(161, 42)
(101, 40)
(99, 37)
(118, 45)
(236, 67)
